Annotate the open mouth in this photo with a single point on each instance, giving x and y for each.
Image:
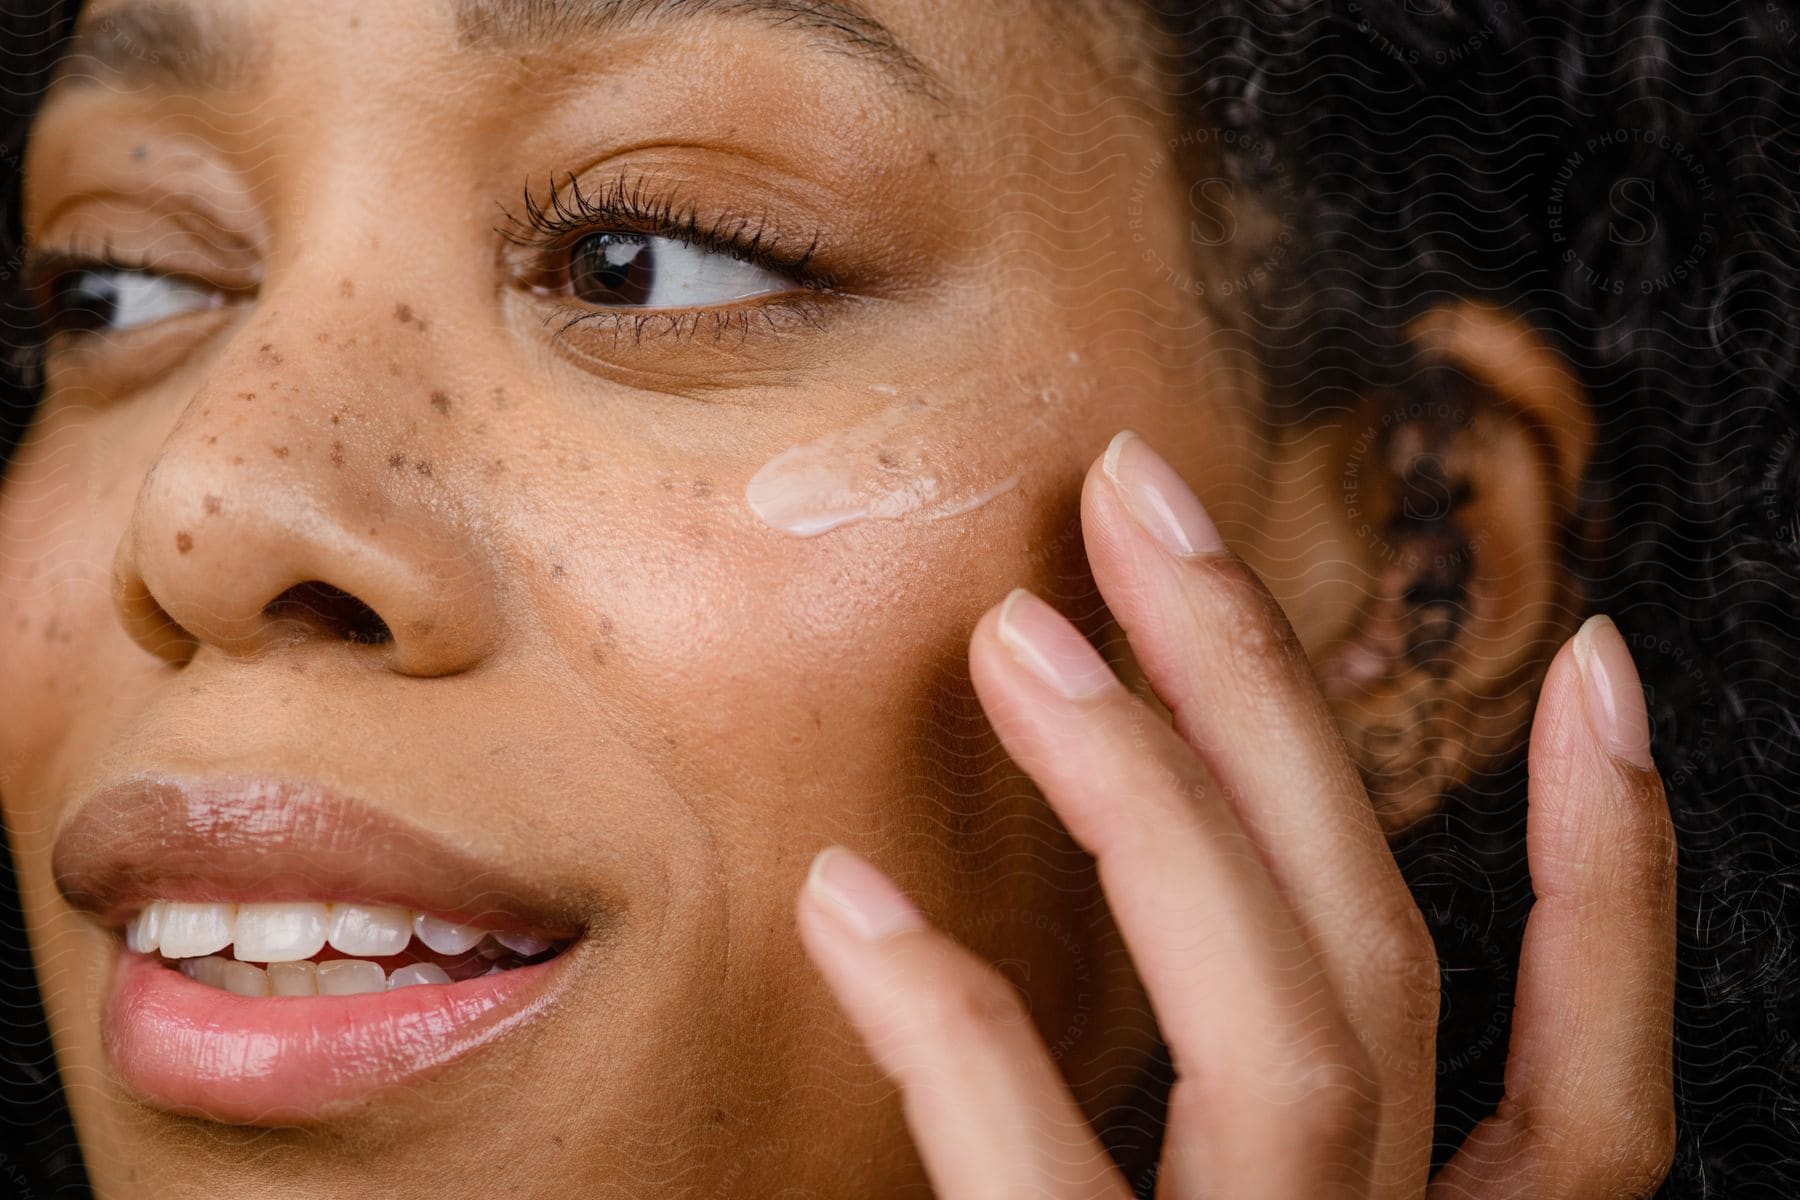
(290, 953)
(326, 949)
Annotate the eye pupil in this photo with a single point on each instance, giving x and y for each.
(612, 269)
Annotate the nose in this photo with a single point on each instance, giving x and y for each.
(293, 517)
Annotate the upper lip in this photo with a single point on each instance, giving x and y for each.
(165, 837)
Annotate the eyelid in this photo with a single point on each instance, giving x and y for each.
(43, 269)
(781, 312)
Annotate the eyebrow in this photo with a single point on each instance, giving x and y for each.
(155, 43)
(159, 45)
(842, 26)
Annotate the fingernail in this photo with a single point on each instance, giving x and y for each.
(1614, 698)
(1159, 498)
(1043, 642)
(866, 899)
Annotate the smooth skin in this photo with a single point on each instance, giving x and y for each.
(1285, 959)
(605, 671)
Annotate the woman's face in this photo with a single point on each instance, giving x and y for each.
(542, 471)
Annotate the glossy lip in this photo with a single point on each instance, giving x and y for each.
(289, 1060)
(190, 1048)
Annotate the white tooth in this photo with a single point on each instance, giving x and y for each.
(242, 979)
(291, 979)
(144, 934)
(349, 977)
(195, 930)
(445, 937)
(522, 944)
(278, 932)
(417, 973)
(209, 970)
(363, 929)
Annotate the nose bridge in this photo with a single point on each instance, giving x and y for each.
(304, 493)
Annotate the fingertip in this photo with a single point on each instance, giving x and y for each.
(1612, 695)
(859, 896)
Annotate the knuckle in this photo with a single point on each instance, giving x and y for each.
(1255, 634)
(1402, 962)
(1328, 1092)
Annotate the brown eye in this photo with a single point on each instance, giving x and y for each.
(614, 270)
(635, 270)
(99, 299)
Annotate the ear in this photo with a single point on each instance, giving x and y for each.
(1444, 581)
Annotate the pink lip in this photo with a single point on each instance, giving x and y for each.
(194, 1049)
(283, 1060)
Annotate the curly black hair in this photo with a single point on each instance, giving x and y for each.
(1623, 174)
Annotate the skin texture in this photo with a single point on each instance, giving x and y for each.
(605, 671)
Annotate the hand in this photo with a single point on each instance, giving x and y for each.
(1290, 971)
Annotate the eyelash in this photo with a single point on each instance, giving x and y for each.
(42, 270)
(633, 203)
(627, 204)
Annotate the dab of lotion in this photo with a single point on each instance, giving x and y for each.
(858, 476)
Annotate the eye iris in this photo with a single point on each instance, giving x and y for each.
(84, 301)
(613, 269)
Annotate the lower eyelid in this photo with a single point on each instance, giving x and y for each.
(782, 314)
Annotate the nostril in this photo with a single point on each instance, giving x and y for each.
(331, 608)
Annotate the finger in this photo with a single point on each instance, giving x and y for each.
(1589, 1108)
(1220, 654)
(1273, 1093)
(988, 1111)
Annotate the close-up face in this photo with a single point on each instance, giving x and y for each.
(896, 598)
(536, 468)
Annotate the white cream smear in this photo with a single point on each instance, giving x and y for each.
(890, 468)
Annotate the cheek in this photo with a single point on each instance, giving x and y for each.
(814, 688)
(66, 497)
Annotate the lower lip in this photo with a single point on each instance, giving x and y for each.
(195, 1049)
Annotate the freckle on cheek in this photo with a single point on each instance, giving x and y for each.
(212, 504)
(184, 541)
(441, 402)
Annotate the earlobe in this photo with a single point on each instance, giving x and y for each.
(1466, 489)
